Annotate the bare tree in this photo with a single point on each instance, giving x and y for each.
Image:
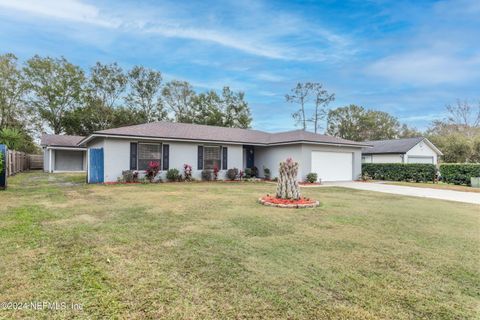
(300, 95)
(322, 98)
(463, 114)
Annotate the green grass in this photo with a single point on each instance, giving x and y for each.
(209, 251)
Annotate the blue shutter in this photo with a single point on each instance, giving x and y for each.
(166, 156)
(224, 158)
(133, 155)
(200, 158)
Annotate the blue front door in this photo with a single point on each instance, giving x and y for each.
(250, 157)
(95, 165)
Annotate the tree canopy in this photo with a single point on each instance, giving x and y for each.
(359, 124)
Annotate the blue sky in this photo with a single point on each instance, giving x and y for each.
(409, 58)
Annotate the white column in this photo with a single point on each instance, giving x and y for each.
(49, 160)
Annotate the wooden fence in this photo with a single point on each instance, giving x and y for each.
(20, 161)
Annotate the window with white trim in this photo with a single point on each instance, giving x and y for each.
(148, 152)
(211, 157)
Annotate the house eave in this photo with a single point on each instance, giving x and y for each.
(150, 138)
(65, 148)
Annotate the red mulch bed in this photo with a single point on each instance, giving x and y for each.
(116, 182)
(288, 203)
(310, 183)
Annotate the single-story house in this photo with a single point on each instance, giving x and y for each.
(204, 147)
(61, 153)
(410, 150)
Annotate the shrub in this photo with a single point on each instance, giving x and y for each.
(266, 173)
(254, 172)
(247, 173)
(365, 177)
(459, 173)
(215, 172)
(312, 177)
(187, 172)
(129, 176)
(232, 174)
(241, 174)
(173, 175)
(418, 172)
(152, 170)
(207, 175)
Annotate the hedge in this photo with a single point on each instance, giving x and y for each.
(418, 172)
(459, 173)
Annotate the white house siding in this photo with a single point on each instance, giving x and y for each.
(422, 150)
(182, 153)
(306, 161)
(367, 158)
(117, 156)
(387, 158)
(270, 157)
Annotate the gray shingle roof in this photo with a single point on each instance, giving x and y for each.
(391, 146)
(60, 140)
(187, 131)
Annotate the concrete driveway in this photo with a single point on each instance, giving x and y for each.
(467, 197)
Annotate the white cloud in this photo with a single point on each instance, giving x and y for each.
(73, 10)
(262, 32)
(426, 68)
(270, 77)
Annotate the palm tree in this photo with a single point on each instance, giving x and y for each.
(12, 138)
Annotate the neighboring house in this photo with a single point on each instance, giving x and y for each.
(411, 150)
(203, 147)
(62, 153)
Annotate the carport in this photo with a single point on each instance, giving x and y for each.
(61, 154)
(65, 159)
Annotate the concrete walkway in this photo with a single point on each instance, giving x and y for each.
(467, 197)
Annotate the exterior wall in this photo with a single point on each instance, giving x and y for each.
(270, 157)
(367, 158)
(307, 158)
(387, 158)
(186, 153)
(422, 149)
(117, 157)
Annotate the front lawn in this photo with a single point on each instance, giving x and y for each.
(209, 251)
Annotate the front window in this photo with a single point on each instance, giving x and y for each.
(211, 158)
(148, 152)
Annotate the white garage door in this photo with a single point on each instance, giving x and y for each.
(419, 159)
(333, 166)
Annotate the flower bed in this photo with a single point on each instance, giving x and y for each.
(305, 183)
(288, 203)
